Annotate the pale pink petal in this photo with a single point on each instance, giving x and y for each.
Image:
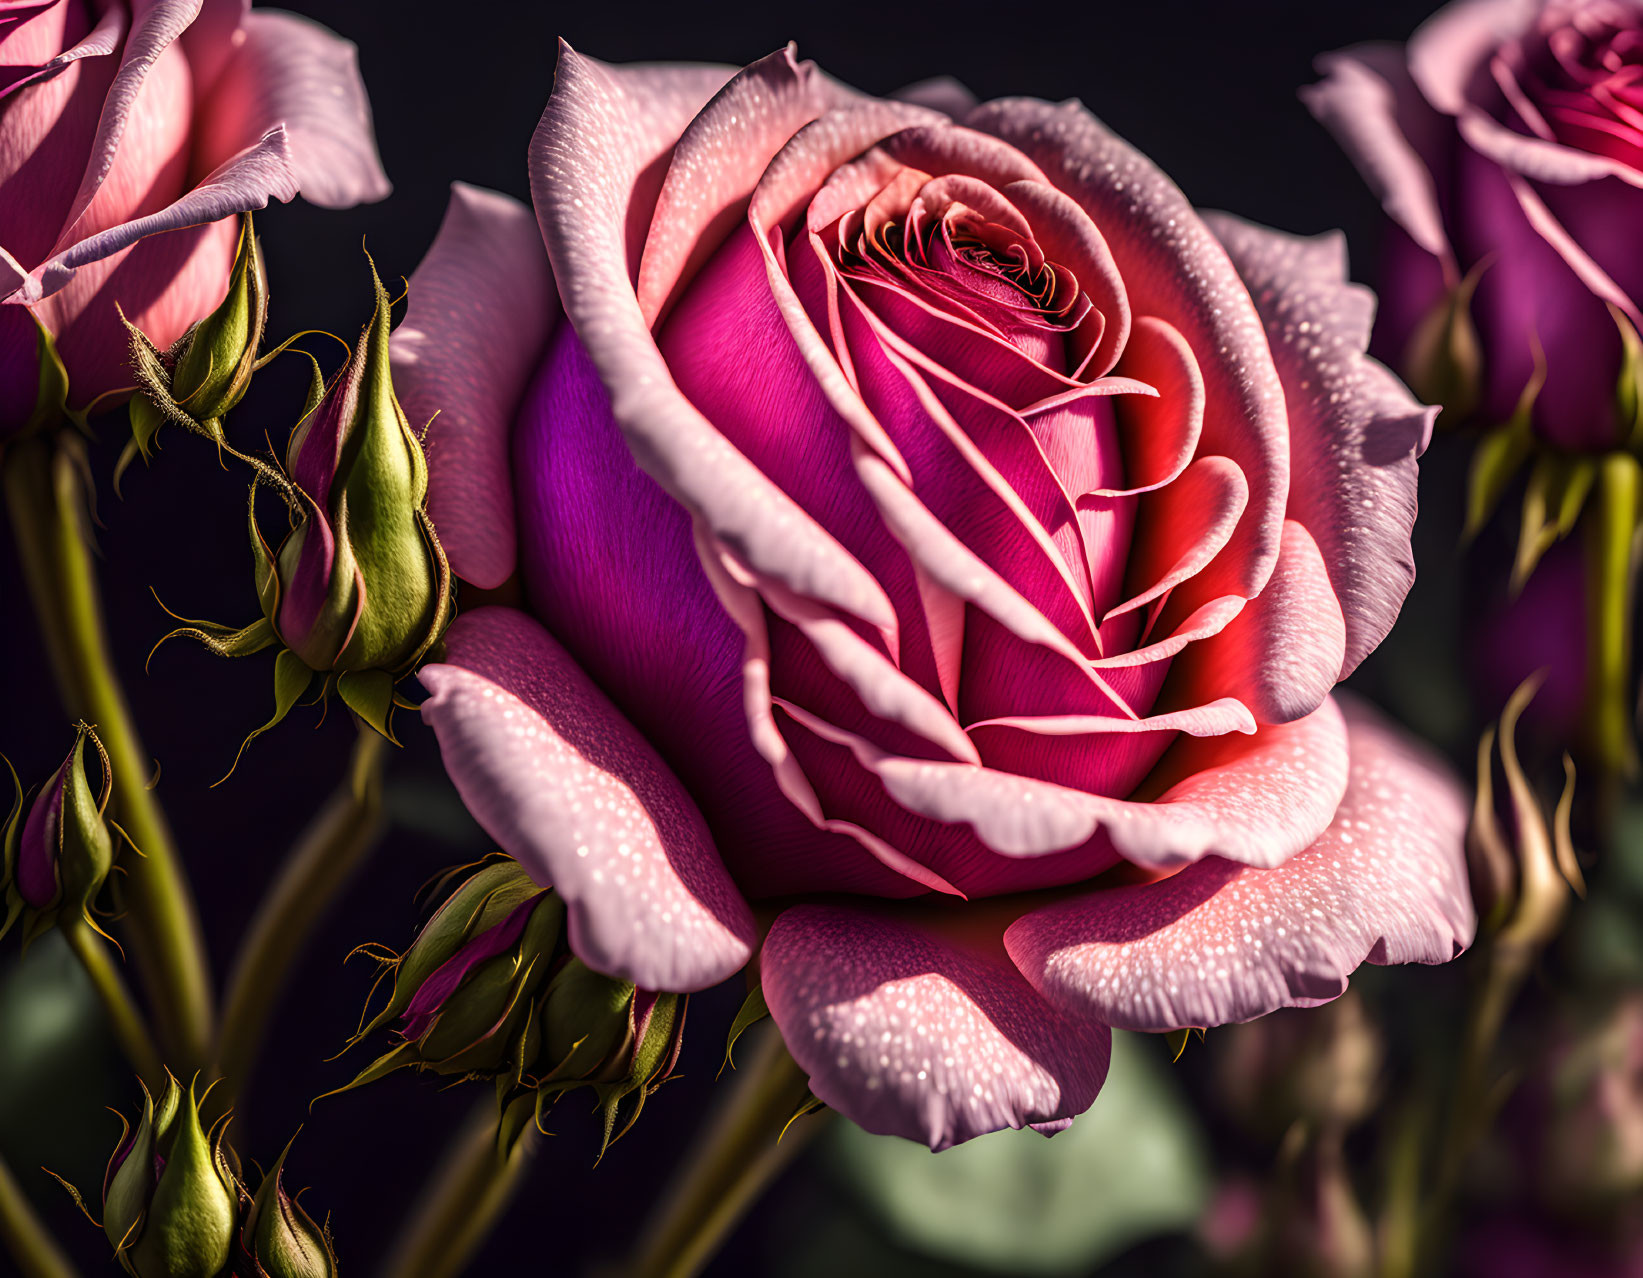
(1354, 430)
(590, 149)
(1173, 267)
(293, 72)
(1284, 652)
(717, 162)
(152, 32)
(940, 93)
(246, 182)
(1219, 942)
(909, 1030)
(565, 784)
(1256, 799)
(482, 304)
(1447, 49)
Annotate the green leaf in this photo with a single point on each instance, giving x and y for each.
(1134, 1167)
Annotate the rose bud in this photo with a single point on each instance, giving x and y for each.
(1320, 1065)
(464, 993)
(359, 589)
(169, 1195)
(604, 1033)
(130, 136)
(57, 859)
(207, 371)
(281, 1239)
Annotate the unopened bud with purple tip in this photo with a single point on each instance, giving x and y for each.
(58, 856)
(279, 1238)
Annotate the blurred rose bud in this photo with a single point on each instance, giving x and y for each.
(170, 1196)
(207, 371)
(1316, 1065)
(1592, 1157)
(280, 1238)
(361, 583)
(58, 857)
(1522, 867)
(465, 991)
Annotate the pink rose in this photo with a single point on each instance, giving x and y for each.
(123, 119)
(962, 639)
(1507, 140)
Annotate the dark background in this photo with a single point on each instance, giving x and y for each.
(1207, 90)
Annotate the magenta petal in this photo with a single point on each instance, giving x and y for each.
(293, 72)
(1218, 942)
(42, 836)
(1283, 653)
(443, 980)
(1354, 430)
(913, 1033)
(482, 306)
(565, 784)
(595, 141)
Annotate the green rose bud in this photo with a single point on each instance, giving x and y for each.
(169, 1196)
(282, 1239)
(464, 992)
(207, 371)
(58, 858)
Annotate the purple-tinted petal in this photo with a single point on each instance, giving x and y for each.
(1220, 942)
(1369, 102)
(443, 980)
(290, 71)
(1354, 430)
(566, 785)
(42, 835)
(482, 304)
(912, 1031)
(595, 141)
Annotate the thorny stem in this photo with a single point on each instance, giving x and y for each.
(124, 1017)
(48, 500)
(318, 867)
(725, 1170)
(472, 1186)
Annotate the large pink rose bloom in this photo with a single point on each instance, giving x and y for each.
(1507, 140)
(123, 122)
(939, 544)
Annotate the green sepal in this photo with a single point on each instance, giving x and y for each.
(370, 695)
(1499, 455)
(1178, 1039)
(11, 837)
(126, 1192)
(587, 1025)
(753, 1010)
(1443, 359)
(652, 1058)
(1559, 484)
(282, 1238)
(291, 680)
(518, 1115)
(221, 640)
(51, 394)
(85, 847)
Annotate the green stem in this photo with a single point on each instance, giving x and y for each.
(462, 1204)
(25, 1234)
(317, 869)
(48, 499)
(124, 1018)
(737, 1158)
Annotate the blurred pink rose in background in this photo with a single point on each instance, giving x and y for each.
(937, 544)
(123, 122)
(1507, 139)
